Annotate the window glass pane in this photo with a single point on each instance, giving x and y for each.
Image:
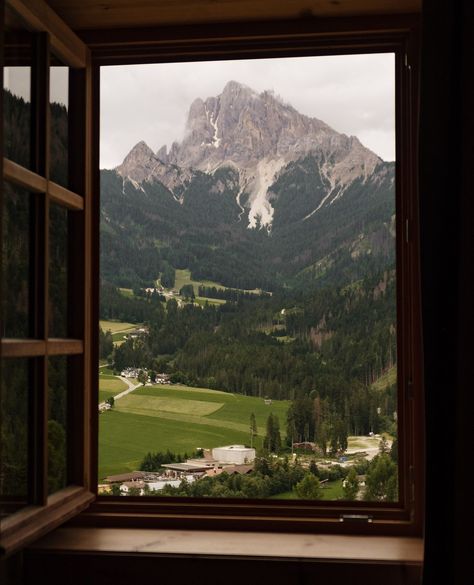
(16, 261)
(58, 271)
(57, 423)
(14, 384)
(248, 294)
(59, 104)
(17, 94)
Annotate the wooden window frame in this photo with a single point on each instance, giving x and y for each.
(44, 512)
(399, 35)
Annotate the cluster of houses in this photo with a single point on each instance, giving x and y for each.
(103, 406)
(134, 373)
(231, 459)
(162, 291)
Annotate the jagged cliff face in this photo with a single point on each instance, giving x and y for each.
(259, 136)
(142, 165)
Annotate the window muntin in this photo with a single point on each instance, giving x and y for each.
(43, 364)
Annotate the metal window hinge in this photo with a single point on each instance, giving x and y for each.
(407, 231)
(365, 518)
(407, 65)
(410, 388)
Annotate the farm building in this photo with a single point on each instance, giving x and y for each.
(239, 454)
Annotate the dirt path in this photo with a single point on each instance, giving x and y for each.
(131, 388)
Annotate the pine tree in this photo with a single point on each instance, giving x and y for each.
(351, 485)
(308, 488)
(253, 428)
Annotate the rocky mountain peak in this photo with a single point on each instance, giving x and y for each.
(142, 164)
(259, 135)
(139, 162)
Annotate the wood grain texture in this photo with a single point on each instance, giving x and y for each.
(65, 346)
(230, 544)
(23, 177)
(18, 348)
(31, 523)
(88, 14)
(64, 43)
(65, 197)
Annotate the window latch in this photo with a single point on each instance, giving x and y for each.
(361, 518)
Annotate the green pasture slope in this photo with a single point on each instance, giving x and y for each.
(116, 326)
(184, 277)
(178, 418)
(109, 386)
(331, 490)
(387, 379)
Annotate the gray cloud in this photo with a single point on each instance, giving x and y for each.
(355, 94)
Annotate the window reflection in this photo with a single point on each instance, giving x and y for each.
(17, 97)
(14, 383)
(15, 270)
(58, 271)
(57, 423)
(59, 106)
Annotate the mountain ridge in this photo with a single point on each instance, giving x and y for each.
(250, 200)
(259, 135)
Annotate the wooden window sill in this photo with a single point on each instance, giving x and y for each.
(30, 523)
(263, 545)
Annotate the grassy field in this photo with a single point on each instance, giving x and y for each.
(127, 292)
(184, 277)
(203, 300)
(116, 326)
(120, 336)
(125, 438)
(154, 418)
(104, 394)
(109, 385)
(331, 490)
(230, 408)
(105, 371)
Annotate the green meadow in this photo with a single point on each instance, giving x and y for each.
(109, 385)
(179, 418)
(331, 490)
(116, 326)
(184, 277)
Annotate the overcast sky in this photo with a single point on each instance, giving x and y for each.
(18, 81)
(354, 94)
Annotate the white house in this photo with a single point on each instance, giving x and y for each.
(160, 484)
(238, 454)
(129, 485)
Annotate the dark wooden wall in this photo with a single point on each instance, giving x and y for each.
(447, 194)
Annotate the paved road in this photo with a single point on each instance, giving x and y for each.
(131, 388)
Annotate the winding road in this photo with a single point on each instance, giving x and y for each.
(131, 388)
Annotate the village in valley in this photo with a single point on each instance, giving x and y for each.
(196, 402)
(170, 474)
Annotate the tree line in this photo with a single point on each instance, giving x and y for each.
(229, 294)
